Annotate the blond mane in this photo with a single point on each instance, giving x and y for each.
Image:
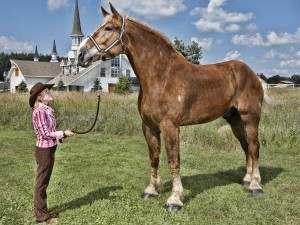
(150, 29)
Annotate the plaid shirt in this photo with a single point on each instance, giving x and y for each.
(44, 125)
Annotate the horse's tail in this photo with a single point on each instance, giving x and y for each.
(267, 98)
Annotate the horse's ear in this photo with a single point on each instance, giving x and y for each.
(115, 12)
(104, 12)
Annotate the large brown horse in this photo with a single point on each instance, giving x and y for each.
(174, 93)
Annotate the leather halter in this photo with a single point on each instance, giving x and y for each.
(119, 39)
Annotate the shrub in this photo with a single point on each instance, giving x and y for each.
(123, 86)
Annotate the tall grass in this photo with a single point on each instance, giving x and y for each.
(280, 124)
(118, 113)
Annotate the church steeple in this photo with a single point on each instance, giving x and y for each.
(54, 53)
(76, 23)
(36, 55)
(76, 34)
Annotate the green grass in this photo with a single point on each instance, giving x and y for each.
(98, 178)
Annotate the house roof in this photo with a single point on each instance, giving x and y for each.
(67, 79)
(37, 69)
(285, 82)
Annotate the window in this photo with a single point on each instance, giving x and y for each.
(115, 62)
(102, 72)
(127, 73)
(114, 72)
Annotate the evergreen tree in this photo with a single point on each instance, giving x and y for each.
(123, 86)
(96, 85)
(192, 53)
(262, 76)
(179, 46)
(23, 87)
(5, 88)
(60, 85)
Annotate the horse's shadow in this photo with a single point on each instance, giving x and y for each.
(195, 184)
(101, 193)
(199, 183)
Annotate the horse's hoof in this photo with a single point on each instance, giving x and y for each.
(246, 183)
(145, 196)
(173, 208)
(257, 192)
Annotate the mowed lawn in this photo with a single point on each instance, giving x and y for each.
(98, 179)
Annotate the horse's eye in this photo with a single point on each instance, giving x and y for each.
(108, 29)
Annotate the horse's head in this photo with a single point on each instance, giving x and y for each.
(106, 42)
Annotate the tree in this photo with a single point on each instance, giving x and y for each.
(5, 88)
(179, 46)
(60, 85)
(276, 78)
(123, 86)
(192, 53)
(96, 85)
(295, 79)
(262, 76)
(23, 87)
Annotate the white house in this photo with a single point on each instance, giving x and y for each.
(67, 71)
(31, 72)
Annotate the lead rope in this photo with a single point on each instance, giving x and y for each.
(84, 132)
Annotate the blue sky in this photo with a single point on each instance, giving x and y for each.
(265, 34)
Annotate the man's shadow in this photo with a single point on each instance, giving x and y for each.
(101, 193)
(197, 184)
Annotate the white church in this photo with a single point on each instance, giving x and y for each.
(68, 72)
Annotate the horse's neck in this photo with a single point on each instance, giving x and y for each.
(147, 52)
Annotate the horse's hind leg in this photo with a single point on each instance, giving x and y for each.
(251, 130)
(153, 140)
(245, 130)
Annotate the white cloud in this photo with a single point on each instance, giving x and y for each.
(205, 43)
(290, 64)
(57, 4)
(272, 54)
(153, 9)
(233, 27)
(272, 38)
(251, 27)
(214, 4)
(214, 18)
(207, 26)
(10, 44)
(232, 55)
(283, 38)
(254, 40)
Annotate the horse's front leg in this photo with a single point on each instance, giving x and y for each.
(171, 138)
(152, 137)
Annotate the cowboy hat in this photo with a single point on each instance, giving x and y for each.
(36, 90)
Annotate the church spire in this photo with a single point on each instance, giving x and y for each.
(76, 34)
(54, 53)
(76, 23)
(36, 55)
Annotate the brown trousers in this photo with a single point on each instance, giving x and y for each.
(45, 161)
